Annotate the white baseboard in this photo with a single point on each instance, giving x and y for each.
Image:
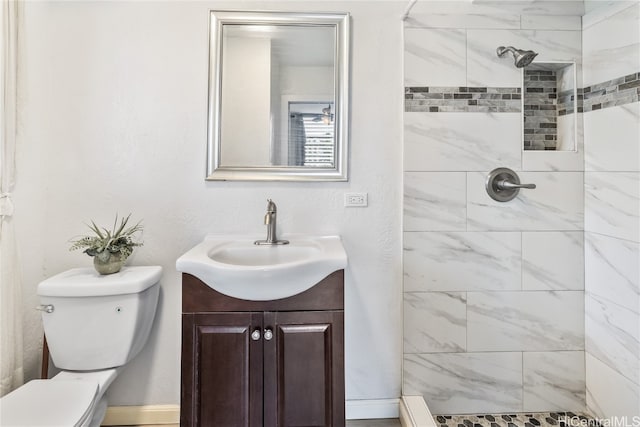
(415, 413)
(142, 415)
(412, 410)
(371, 409)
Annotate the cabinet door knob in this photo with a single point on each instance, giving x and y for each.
(255, 335)
(268, 334)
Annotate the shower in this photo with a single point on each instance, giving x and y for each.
(521, 57)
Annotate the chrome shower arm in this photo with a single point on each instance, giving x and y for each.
(501, 50)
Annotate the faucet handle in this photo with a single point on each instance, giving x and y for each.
(271, 206)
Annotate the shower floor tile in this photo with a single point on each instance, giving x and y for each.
(537, 419)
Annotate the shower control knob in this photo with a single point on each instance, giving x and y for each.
(268, 334)
(255, 335)
(503, 184)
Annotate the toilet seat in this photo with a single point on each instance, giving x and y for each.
(49, 403)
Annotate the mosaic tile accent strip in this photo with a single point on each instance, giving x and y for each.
(566, 101)
(463, 99)
(620, 91)
(540, 110)
(540, 419)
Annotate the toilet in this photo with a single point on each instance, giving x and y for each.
(94, 325)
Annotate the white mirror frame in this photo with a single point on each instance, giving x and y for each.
(218, 172)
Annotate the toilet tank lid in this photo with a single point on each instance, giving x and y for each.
(84, 282)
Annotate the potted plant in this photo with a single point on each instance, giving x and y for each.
(109, 248)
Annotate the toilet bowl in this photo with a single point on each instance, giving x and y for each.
(94, 325)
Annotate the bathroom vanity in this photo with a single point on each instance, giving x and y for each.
(263, 363)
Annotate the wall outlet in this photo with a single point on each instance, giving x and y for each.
(355, 199)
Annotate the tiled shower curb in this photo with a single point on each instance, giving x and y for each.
(415, 413)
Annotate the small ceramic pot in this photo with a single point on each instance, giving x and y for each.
(113, 264)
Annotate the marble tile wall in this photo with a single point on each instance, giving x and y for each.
(493, 292)
(612, 215)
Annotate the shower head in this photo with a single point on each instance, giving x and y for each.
(521, 57)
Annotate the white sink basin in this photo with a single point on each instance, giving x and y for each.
(234, 266)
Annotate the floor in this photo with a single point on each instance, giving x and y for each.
(542, 419)
(374, 423)
(352, 423)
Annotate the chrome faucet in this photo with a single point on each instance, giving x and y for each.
(270, 222)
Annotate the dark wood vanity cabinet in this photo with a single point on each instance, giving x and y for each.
(263, 363)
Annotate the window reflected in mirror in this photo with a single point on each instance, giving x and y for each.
(310, 140)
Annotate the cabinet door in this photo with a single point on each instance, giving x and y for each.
(304, 369)
(221, 370)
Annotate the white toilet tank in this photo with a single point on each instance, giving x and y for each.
(98, 322)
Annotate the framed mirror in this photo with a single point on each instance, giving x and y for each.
(278, 96)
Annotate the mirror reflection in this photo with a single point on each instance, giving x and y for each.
(276, 82)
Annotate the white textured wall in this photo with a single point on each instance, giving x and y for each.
(611, 44)
(113, 119)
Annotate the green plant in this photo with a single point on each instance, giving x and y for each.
(119, 240)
